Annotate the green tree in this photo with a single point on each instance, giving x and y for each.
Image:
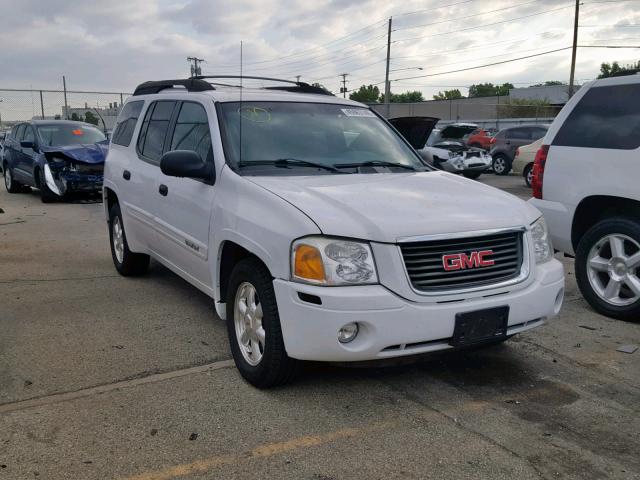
(406, 97)
(489, 90)
(549, 83)
(75, 117)
(366, 94)
(90, 118)
(448, 95)
(616, 70)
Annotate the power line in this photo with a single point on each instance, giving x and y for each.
(623, 25)
(431, 9)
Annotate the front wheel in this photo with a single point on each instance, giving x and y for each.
(528, 175)
(126, 262)
(608, 267)
(501, 164)
(472, 175)
(253, 326)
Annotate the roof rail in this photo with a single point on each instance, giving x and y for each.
(191, 84)
(300, 87)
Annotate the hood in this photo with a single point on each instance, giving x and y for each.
(385, 207)
(86, 153)
(415, 130)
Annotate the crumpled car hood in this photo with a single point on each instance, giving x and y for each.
(87, 153)
(385, 207)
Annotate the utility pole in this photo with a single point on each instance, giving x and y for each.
(575, 48)
(298, 78)
(344, 84)
(387, 85)
(66, 106)
(196, 71)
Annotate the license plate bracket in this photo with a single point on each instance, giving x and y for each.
(480, 326)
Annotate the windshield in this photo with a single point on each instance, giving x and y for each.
(328, 138)
(69, 134)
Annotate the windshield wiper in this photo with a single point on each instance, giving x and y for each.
(374, 164)
(290, 162)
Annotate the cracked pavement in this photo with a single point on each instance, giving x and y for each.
(104, 377)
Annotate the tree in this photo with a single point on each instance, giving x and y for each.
(366, 94)
(448, 95)
(90, 118)
(489, 90)
(75, 117)
(616, 70)
(549, 83)
(406, 97)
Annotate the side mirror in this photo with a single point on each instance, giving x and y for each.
(186, 163)
(27, 144)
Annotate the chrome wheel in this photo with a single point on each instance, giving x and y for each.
(499, 165)
(7, 178)
(613, 265)
(247, 318)
(117, 237)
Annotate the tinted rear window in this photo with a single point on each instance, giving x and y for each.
(606, 117)
(123, 131)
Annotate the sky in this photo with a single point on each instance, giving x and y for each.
(114, 45)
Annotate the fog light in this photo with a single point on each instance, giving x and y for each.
(348, 333)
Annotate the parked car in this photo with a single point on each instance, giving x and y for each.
(444, 149)
(3, 137)
(317, 229)
(523, 161)
(505, 143)
(481, 138)
(585, 181)
(57, 157)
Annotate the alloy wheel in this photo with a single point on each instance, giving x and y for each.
(499, 165)
(7, 178)
(117, 237)
(247, 317)
(613, 265)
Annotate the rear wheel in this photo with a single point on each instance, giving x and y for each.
(472, 175)
(126, 262)
(253, 326)
(528, 174)
(501, 164)
(608, 267)
(10, 184)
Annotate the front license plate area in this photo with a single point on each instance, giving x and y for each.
(480, 326)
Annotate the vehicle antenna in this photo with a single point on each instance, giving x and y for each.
(240, 109)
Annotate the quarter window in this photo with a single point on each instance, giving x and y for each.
(123, 131)
(192, 131)
(606, 117)
(154, 129)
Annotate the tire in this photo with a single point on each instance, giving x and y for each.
(9, 183)
(46, 195)
(472, 175)
(262, 365)
(127, 263)
(611, 287)
(528, 174)
(501, 164)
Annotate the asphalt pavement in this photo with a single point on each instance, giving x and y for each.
(105, 377)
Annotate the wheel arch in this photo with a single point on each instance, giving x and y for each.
(595, 208)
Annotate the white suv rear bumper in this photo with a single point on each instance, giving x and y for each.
(559, 218)
(391, 326)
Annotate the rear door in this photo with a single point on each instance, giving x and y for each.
(28, 153)
(415, 130)
(184, 205)
(517, 137)
(14, 155)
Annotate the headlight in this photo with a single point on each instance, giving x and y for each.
(329, 261)
(459, 164)
(541, 241)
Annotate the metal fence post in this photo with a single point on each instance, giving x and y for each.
(41, 105)
(66, 106)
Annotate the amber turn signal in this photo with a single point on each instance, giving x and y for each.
(308, 263)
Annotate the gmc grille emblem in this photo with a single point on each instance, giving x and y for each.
(461, 261)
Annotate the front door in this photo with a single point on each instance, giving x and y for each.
(184, 205)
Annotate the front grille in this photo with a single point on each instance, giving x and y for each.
(426, 269)
(473, 154)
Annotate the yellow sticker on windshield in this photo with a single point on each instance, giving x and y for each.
(255, 114)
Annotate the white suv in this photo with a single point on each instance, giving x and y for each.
(586, 181)
(317, 229)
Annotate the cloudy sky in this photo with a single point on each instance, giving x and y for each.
(116, 44)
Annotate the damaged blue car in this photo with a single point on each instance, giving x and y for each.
(57, 157)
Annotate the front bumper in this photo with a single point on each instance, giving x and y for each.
(64, 182)
(472, 164)
(391, 326)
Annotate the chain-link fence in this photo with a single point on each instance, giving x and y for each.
(99, 108)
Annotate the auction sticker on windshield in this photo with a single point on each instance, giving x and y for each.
(357, 112)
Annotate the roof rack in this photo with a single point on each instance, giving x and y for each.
(191, 84)
(299, 87)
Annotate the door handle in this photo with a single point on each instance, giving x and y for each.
(126, 175)
(163, 190)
